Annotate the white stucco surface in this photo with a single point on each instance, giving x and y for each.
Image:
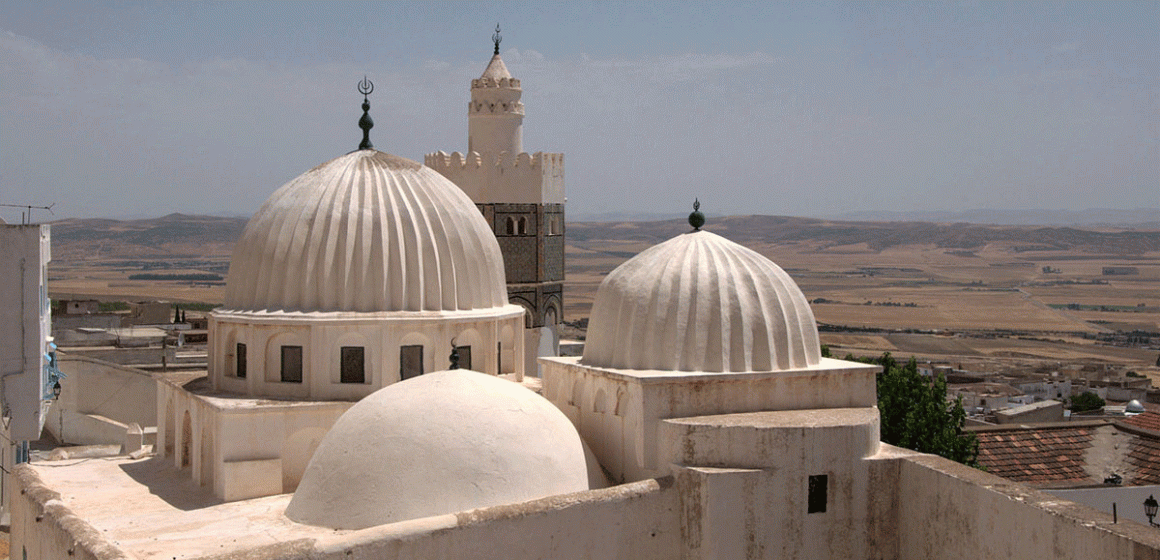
(25, 321)
(699, 302)
(366, 232)
(488, 332)
(439, 443)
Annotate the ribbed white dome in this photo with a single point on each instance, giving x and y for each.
(440, 443)
(699, 302)
(367, 232)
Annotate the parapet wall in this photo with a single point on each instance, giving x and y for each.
(505, 178)
(44, 527)
(637, 521)
(98, 399)
(947, 510)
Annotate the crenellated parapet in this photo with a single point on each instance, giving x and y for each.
(483, 107)
(505, 177)
(485, 82)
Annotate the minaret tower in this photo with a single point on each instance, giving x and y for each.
(495, 116)
(521, 195)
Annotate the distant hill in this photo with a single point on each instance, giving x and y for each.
(1138, 218)
(175, 235)
(876, 236)
(186, 236)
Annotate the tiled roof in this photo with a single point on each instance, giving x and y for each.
(1144, 454)
(1036, 456)
(1149, 420)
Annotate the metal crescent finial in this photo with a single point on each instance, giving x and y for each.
(365, 122)
(696, 219)
(496, 38)
(454, 358)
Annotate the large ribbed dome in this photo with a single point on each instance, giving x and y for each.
(440, 443)
(367, 232)
(699, 302)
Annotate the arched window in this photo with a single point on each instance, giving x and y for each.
(523, 226)
(511, 226)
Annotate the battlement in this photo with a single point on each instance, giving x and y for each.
(516, 107)
(504, 177)
(513, 83)
(505, 160)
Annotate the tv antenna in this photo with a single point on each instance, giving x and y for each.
(26, 215)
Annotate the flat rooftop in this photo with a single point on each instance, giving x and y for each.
(150, 509)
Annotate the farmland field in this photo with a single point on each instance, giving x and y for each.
(1002, 296)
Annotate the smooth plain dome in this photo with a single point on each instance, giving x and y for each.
(439, 443)
(367, 232)
(699, 302)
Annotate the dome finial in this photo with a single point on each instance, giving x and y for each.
(365, 122)
(454, 355)
(696, 219)
(496, 39)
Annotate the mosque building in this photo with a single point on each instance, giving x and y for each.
(366, 398)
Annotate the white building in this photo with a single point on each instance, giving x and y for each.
(28, 370)
(1045, 390)
(26, 349)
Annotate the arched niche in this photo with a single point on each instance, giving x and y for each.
(281, 364)
(480, 356)
(339, 362)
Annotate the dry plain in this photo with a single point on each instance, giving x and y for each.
(991, 296)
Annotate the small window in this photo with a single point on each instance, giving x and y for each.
(240, 361)
(817, 493)
(464, 356)
(410, 361)
(292, 364)
(353, 365)
(511, 226)
(523, 226)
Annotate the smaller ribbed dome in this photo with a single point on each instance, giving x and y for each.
(440, 443)
(699, 302)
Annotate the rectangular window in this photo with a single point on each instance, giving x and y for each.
(410, 361)
(292, 364)
(817, 493)
(464, 356)
(240, 361)
(352, 365)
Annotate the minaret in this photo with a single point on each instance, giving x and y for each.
(522, 196)
(495, 115)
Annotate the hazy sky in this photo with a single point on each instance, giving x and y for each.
(131, 109)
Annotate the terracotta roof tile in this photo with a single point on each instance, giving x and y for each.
(1149, 420)
(1144, 455)
(1036, 456)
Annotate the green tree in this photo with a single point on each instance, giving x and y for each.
(915, 413)
(1086, 401)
